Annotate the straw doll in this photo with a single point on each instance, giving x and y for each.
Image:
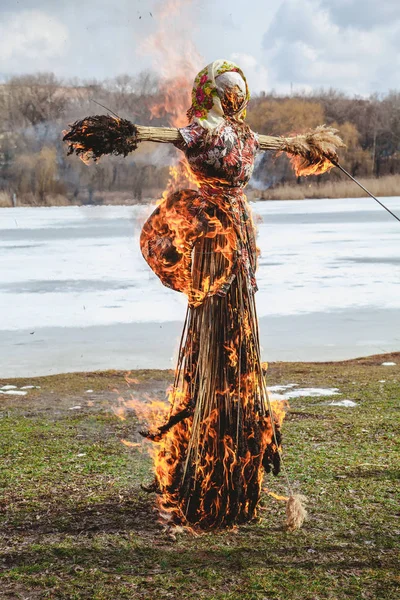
(222, 432)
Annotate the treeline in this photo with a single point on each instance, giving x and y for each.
(34, 109)
(370, 128)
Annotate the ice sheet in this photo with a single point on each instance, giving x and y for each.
(81, 266)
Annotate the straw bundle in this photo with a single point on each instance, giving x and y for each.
(313, 151)
(93, 137)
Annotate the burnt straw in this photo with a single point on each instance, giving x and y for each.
(94, 136)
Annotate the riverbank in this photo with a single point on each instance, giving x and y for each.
(75, 523)
(310, 188)
(314, 336)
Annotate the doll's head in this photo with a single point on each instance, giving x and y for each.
(231, 89)
(220, 90)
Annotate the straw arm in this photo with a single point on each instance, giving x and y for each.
(317, 141)
(268, 142)
(98, 135)
(316, 147)
(158, 134)
(172, 135)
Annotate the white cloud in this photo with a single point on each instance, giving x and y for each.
(31, 37)
(256, 73)
(363, 14)
(350, 44)
(306, 44)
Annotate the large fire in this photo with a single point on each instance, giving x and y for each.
(172, 427)
(203, 477)
(208, 473)
(219, 431)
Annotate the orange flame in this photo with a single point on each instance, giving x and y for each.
(168, 452)
(168, 239)
(303, 168)
(85, 157)
(175, 59)
(130, 444)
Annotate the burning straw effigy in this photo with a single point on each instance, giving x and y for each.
(222, 431)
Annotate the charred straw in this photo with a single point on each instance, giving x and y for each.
(95, 136)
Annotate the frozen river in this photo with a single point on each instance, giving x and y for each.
(77, 295)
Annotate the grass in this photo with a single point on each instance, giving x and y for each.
(75, 523)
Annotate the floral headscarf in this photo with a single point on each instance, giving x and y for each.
(206, 109)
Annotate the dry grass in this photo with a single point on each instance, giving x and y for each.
(49, 200)
(330, 188)
(99, 198)
(5, 200)
(57, 200)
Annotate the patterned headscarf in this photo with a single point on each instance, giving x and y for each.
(206, 109)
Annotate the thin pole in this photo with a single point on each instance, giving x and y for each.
(106, 108)
(363, 188)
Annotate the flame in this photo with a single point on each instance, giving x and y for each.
(303, 168)
(233, 100)
(180, 175)
(168, 239)
(131, 380)
(148, 411)
(216, 455)
(85, 157)
(168, 460)
(276, 496)
(185, 230)
(311, 152)
(130, 444)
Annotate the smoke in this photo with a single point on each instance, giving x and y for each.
(176, 59)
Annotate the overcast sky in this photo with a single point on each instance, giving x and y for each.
(353, 45)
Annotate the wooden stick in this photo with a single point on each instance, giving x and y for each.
(172, 135)
(268, 142)
(158, 134)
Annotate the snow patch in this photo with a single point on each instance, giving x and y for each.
(89, 391)
(300, 393)
(279, 388)
(277, 397)
(343, 403)
(13, 392)
(30, 387)
(75, 407)
(389, 364)
(313, 392)
(8, 387)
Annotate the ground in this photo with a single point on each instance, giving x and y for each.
(75, 523)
